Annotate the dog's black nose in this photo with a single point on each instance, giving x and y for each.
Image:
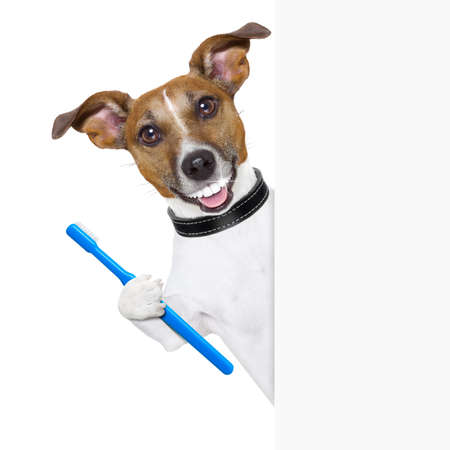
(199, 165)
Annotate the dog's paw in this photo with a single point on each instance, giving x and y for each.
(141, 299)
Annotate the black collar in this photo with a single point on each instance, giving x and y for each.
(243, 209)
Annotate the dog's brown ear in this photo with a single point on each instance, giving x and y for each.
(102, 117)
(222, 58)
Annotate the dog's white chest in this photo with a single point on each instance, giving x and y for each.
(228, 271)
(229, 277)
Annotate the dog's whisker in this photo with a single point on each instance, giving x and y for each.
(150, 193)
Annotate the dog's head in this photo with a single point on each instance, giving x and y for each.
(186, 136)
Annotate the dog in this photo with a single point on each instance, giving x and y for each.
(188, 141)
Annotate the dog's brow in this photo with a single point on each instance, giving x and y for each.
(190, 96)
(149, 115)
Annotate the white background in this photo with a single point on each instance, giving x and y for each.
(362, 241)
(363, 267)
(75, 374)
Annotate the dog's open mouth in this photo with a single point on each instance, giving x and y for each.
(214, 197)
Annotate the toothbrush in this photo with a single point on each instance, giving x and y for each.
(170, 317)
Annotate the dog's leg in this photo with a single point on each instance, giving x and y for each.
(140, 302)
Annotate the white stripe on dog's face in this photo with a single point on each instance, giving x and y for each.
(173, 112)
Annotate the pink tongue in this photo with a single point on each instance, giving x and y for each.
(215, 200)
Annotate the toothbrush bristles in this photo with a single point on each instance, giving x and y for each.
(87, 231)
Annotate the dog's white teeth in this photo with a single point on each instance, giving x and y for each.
(207, 192)
(196, 194)
(223, 182)
(215, 188)
(212, 189)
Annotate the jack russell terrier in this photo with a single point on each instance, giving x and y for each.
(188, 141)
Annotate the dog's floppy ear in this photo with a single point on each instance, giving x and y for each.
(222, 58)
(102, 116)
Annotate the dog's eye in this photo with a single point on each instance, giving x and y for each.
(149, 135)
(207, 107)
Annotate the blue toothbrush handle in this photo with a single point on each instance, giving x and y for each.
(170, 317)
(174, 321)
